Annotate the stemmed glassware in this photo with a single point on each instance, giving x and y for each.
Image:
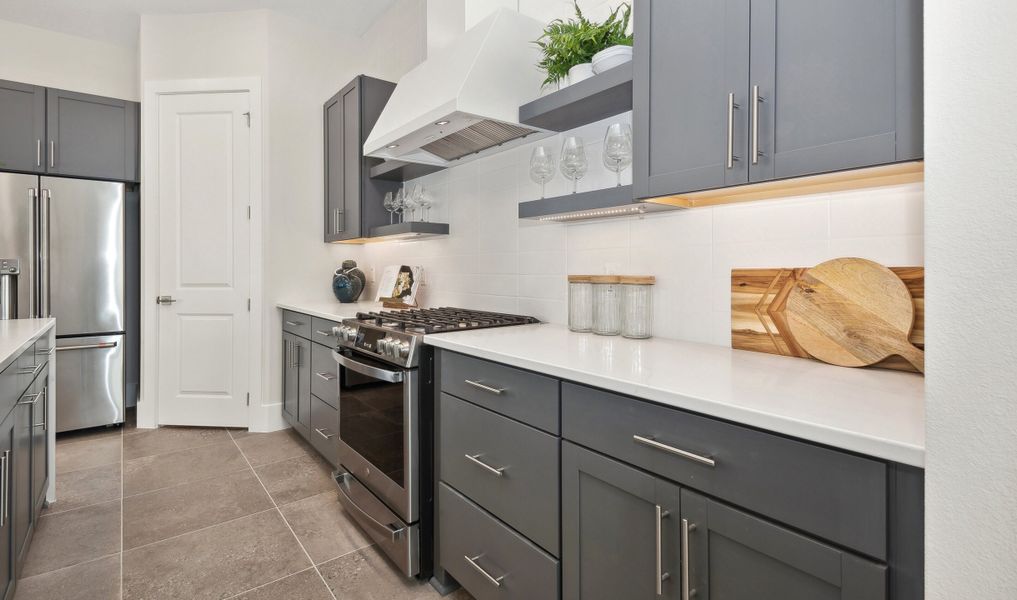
(424, 202)
(411, 202)
(390, 206)
(573, 160)
(400, 204)
(618, 148)
(541, 167)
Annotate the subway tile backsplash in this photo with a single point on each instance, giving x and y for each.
(494, 261)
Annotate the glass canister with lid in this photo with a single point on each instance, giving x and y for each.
(637, 305)
(580, 303)
(607, 303)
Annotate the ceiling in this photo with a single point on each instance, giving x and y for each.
(116, 21)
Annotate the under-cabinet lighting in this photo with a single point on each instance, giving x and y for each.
(596, 213)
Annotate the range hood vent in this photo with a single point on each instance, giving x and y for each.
(475, 138)
(463, 101)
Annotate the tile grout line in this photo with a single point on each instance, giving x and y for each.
(179, 535)
(258, 587)
(288, 526)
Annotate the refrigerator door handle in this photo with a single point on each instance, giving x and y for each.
(33, 208)
(43, 272)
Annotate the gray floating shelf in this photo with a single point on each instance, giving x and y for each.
(595, 204)
(599, 97)
(398, 170)
(413, 230)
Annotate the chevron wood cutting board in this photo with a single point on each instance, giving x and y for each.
(758, 303)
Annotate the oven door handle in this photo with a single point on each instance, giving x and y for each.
(387, 530)
(369, 370)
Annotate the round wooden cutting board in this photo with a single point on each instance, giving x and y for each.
(853, 312)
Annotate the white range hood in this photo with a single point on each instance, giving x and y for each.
(464, 99)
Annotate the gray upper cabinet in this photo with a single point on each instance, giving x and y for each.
(736, 556)
(730, 92)
(353, 201)
(689, 94)
(91, 136)
(22, 127)
(620, 530)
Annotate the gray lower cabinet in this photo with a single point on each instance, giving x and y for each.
(310, 394)
(22, 127)
(620, 530)
(736, 556)
(732, 91)
(353, 201)
(91, 136)
(7, 563)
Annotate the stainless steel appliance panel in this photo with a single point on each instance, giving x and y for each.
(18, 202)
(401, 542)
(86, 255)
(90, 375)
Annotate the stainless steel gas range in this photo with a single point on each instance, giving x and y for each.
(386, 429)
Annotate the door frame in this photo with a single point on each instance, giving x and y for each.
(148, 403)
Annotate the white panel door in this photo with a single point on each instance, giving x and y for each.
(204, 242)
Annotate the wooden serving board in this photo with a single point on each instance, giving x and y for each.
(758, 299)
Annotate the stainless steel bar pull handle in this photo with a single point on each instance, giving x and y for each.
(699, 458)
(393, 533)
(34, 398)
(662, 575)
(38, 153)
(292, 323)
(322, 433)
(44, 204)
(98, 346)
(5, 467)
(731, 106)
(475, 459)
(756, 99)
(325, 376)
(52, 154)
(495, 581)
(687, 590)
(33, 290)
(324, 333)
(31, 371)
(486, 388)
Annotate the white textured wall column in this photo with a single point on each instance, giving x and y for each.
(971, 257)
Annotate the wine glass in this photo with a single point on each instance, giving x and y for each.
(412, 201)
(424, 202)
(618, 148)
(541, 167)
(400, 203)
(390, 206)
(573, 160)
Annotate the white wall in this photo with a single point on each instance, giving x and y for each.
(203, 46)
(971, 219)
(48, 58)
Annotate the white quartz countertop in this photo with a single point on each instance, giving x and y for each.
(875, 412)
(16, 335)
(331, 310)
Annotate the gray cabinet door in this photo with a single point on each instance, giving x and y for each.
(40, 449)
(613, 518)
(22, 127)
(303, 361)
(291, 379)
(7, 569)
(334, 172)
(21, 479)
(835, 79)
(91, 136)
(691, 59)
(736, 556)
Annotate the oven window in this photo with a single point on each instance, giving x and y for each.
(371, 422)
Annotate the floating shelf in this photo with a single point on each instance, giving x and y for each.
(412, 230)
(398, 170)
(596, 98)
(595, 204)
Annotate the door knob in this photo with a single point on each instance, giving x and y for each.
(164, 300)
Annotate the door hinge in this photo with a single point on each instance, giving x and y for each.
(248, 305)
(248, 398)
(248, 115)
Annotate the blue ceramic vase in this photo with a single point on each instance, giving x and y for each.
(348, 282)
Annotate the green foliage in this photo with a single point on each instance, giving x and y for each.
(566, 44)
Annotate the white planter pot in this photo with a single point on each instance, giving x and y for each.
(580, 72)
(608, 58)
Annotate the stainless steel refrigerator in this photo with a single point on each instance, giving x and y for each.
(69, 237)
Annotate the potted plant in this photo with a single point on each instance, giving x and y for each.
(575, 49)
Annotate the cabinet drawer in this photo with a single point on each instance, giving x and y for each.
(324, 429)
(519, 485)
(324, 375)
(834, 495)
(321, 332)
(515, 393)
(10, 389)
(297, 324)
(504, 564)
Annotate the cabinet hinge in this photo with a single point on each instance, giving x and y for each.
(248, 115)
(248, 398)
(248, 305)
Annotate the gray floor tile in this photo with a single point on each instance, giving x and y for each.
(87, 454)
(165, 513)
(216, 562)
(263, 448)
(166, 470)
(170, 439)
(367, 575)
(86, 487)
(323, 527)
(296, 478)
(74, 537)
(306, 585)
(95, 580)
(85, 435)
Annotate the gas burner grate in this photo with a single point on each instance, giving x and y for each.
(439, 320)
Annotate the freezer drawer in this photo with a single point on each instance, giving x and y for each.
(90, 381)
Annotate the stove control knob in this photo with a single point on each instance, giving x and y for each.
(383, 345)
(403, 350)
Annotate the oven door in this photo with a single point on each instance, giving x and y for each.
(378, 441)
